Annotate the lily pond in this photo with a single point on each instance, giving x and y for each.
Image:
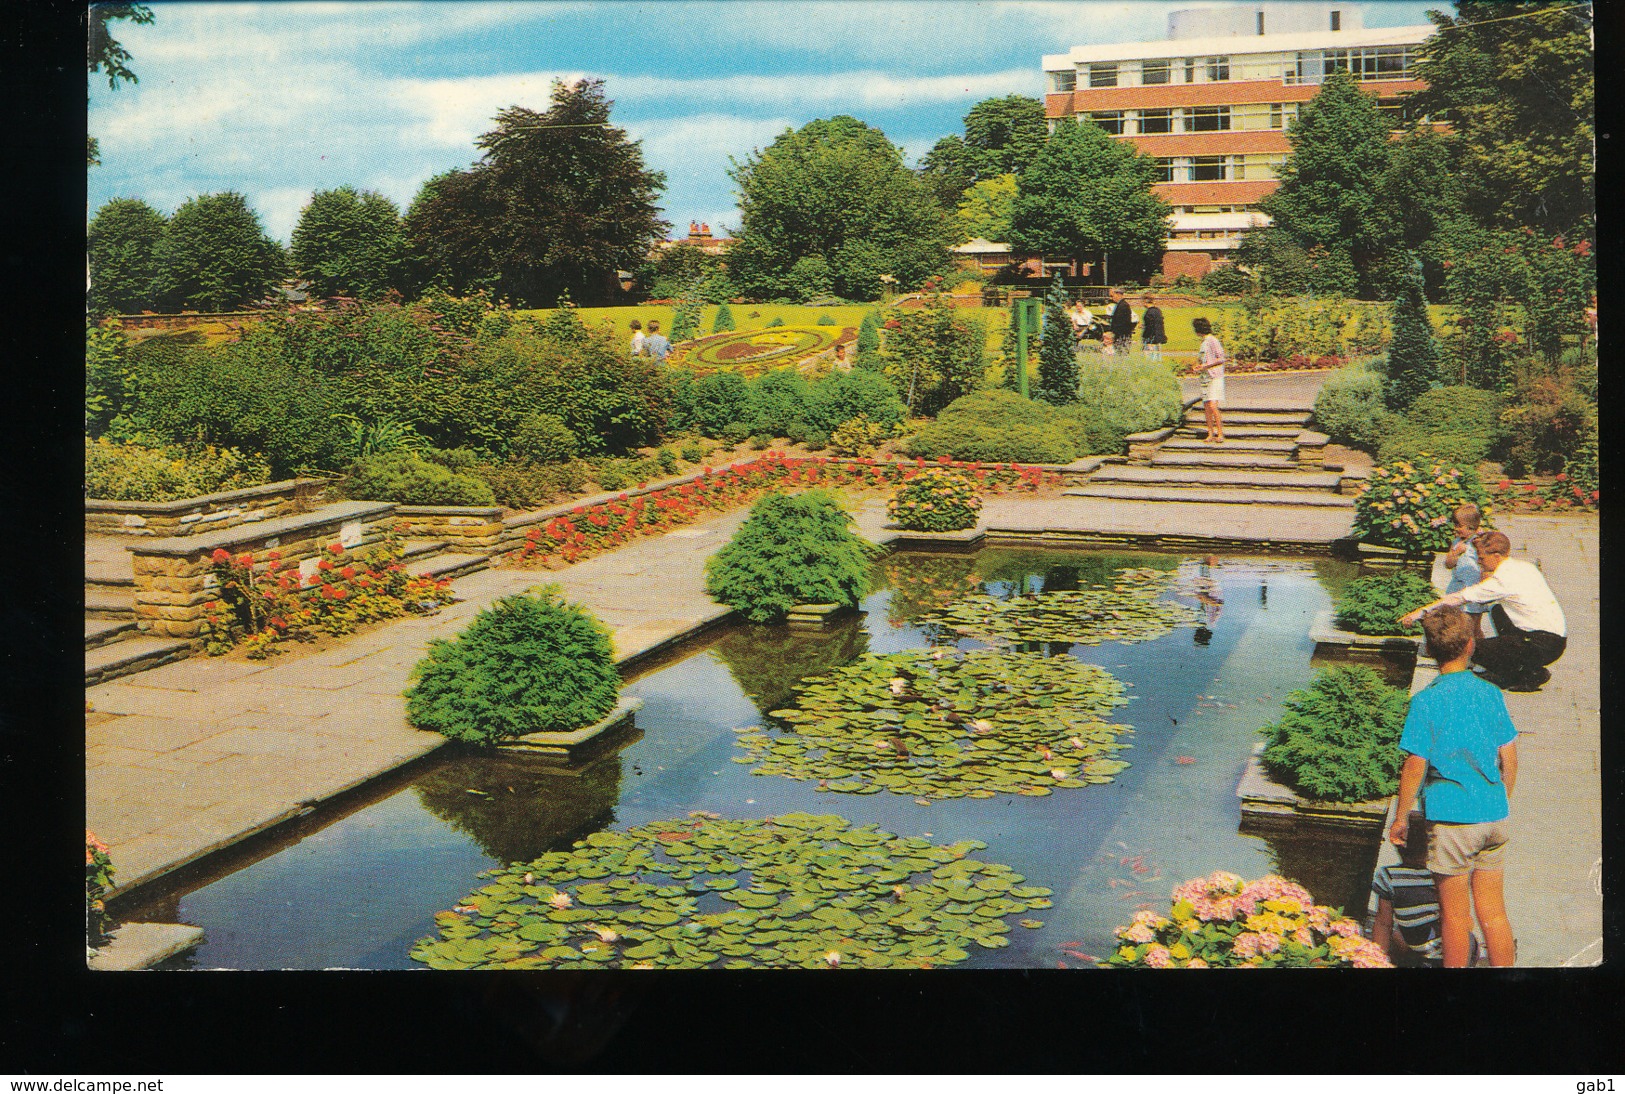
(994, 763)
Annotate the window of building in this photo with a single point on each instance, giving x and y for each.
(1156, 121)
(1207, 119)
(1190, 70)
(1218, 68)
(1261, 22)
(1207, 169)
(1155, 72)
(1109, 120)
(1063, 81)
(1103, 75)
(1165, 169)
(1337, 20)
(1277, 118)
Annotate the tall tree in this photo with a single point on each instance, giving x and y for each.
(1004, 135)
(947, 170)
(1328, 195)
(558, 202)
(349, 244)
(121, 245)
(1515, 81)
(1421, 197)
(1413, 354)
(1086, 194)
(105, 55)
(215, 256)
(835, 189)
(1057, 353)
(986, 209)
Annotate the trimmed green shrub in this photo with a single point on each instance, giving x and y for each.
(761, 441)
(1224, 280)
(1349, 408)
(409, 480)
(998, 426)
(1373, 605)
(455, 459)
(825, 321)
(867, 354)
(858, 437)
(1057, 350)
(530, 663)
(735, 432)
(1458, 424)
(1413, 352)
(666, 460)
(128, 472)
(520, 484)
(613, 475)
(1122, 395)
(711, 402)
(724, 320)
(842, 396)
(776, 321)
(792, 549)
(1339, 738)
(543, 438)
(938, 499)
(692, 452)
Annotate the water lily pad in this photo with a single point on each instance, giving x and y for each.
(1132, 609)
(820, 884)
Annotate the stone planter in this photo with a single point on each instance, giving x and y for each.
(966, 539)
(131, 947)
(1263, 800)
(574, 744)
(1323, 631)
(816, 616)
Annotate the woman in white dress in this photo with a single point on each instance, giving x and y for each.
(1210, 367)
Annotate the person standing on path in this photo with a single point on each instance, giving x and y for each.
(1122, 324)
(1530, 630)
(1152, 336)
(1210, 366)
(655, 345)
(1461, 763)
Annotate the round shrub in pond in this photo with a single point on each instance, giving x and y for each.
(529, 663)
(793, 549)
(943, 724)
(793, 891)
(1131, 609)
(410, 480)
(1221, 921)
(936, 500)
(1339, 738)
(1410, 503)
(1373, 605)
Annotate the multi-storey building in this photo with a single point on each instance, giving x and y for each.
(1212, 101)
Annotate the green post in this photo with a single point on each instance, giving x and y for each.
(1024, 314)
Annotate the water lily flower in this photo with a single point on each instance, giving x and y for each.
(833, 959)
(1059, 773)
(530, 879)
(560, 900)
(1076, 742)
(605, 934)
(466, 909)
(982, 725)
(897, 685)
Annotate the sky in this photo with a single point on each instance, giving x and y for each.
(279, 100)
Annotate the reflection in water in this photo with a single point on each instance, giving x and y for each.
(767, 660)
(517, 807)
(1335, 864)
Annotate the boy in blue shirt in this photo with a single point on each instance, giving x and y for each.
(1462, 759)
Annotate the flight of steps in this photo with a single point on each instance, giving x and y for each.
(1262, 461)
(116, 646)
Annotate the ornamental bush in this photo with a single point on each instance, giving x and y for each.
(131, 472)
(98, 879)
(1221, 921)
(724, 320)
(409, 480)
(1339, 738)
(544, 438)
(998, 426)
(1459, 424)
(1409, 504)
(793, 549)
(1373, 605)
(857, 437)
(1349, 408)
(520, 484)
(529, 663)
(936, 500)
(1122, 395)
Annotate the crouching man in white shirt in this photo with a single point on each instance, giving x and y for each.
(1530, 631)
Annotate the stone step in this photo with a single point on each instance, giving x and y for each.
(132, 655)
(1257, 444)
(1218, 495)
(1204, 455)
(418, 548)
(104, 632)
(1243, 416)
(1196, 476)
(448, 565)
(1241, 433)
(109, 602)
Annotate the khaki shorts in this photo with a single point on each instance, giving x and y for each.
(1456, 849)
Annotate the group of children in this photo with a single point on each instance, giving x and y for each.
(653, 344)
(1461, 755)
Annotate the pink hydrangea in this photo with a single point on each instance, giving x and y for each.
(1157, 957)
(1302, 937)
(1196, 963)
(1246, 944)
(1345, 928)
(1269, 943)
(1137, 933)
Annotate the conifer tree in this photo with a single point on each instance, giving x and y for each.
(724, 320)
(1057, 356)
(868, 347)
(1413, 354)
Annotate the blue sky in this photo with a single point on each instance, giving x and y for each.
(279, 100)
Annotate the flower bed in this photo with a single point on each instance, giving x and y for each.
(1221, 921)
(589, 529)
(1555, 495)
(754, 348)
(1410, 505)
(263, 601)
(936, 500)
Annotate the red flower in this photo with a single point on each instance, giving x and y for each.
(273, 555)
(336, 548)
(278, 622)
(324, 565)
(221, 555)
(347, 572)
(1561, 477)
(1503, 484)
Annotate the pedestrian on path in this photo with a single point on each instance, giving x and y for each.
(1461, 763)
(1122, 320)
(1210, 366)
(1530, 630)
(1152, 335)
(655, 344)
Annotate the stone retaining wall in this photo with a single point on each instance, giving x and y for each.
(204, 513)
(174, 577)
(466, 527)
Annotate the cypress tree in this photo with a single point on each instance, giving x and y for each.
(868, 347)
(1057, 356)
(1413, 354)
(724, 320)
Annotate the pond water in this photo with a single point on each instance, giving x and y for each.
(359, 890)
